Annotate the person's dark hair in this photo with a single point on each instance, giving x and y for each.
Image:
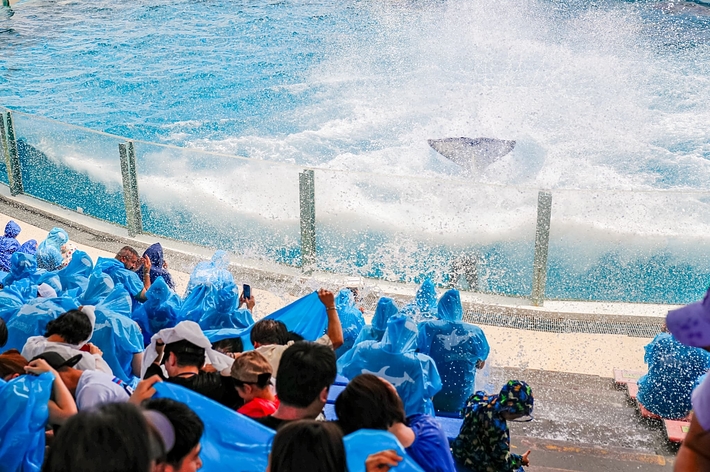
(73, 326)
(316, 446)
(304, 371)
(295, 337)
(111, 438)
(3, 333)
(12, 362)
(188, 427)
(187, 354)
(269, 331)
(368, 403)
(126, 251)
(229, 345)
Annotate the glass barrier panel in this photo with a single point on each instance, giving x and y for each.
(73, 167)
(649, 247)
(243, 205)
(455, 232)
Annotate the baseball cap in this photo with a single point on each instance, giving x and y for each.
(162, 434)
(691, 324)
(57, 360)
(250, 367)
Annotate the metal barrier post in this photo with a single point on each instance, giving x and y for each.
(307, 191)
(131, 199)
(12, 160)
(542, 241)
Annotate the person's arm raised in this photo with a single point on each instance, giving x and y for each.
(63, 406)
(335, 329)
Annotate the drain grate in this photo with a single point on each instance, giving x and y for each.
(558, 325)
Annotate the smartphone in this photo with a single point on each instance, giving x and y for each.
(246, 293)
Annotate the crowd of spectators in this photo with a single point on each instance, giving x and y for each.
(89, 358)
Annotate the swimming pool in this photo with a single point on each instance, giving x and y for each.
(608, 102)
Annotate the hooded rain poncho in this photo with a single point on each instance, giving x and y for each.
(414, 375)
(456, 347)
(49, 252)
(673, 370)
(9, 245)
(155, 254)
(351, 319)
(386, 308)
(424, 304)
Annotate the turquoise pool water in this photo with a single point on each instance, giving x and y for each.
(603, 95)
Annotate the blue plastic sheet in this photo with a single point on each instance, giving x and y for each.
(117, 335)
(414, 375)
(9, 245)
(456, 347)
(29, 247)
(160, 310)
(351, 319)
(49, 251)
(213, 272)
(32, 319)
(365, 442)
(424, 304)
(231, 441)
(75, 276)
(120, 275)
(305, 316)
(386, 308)
(23, 416)
(673, 370)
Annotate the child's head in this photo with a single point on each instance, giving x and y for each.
(251, 373)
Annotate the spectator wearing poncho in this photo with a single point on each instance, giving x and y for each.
(49, 252)
(386, 308)
(350, 319)
(158, 267)
(9, 245)
(414, 375)
(673, 370)
(483, 444)
(458, 349)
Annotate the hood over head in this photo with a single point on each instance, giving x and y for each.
(449, 307)
(400, 335)
(386, 309)
(12, 229)
(426, 297)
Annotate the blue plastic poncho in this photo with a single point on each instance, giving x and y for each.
(456, 347)
(23, 266)
(32, 318)
(9, 245)
(414, 375)
(365, 442)
(23, 416)
(160, 310)
(117, 335)
(75, 276)
(230, 441)
(220, 308)
(155, 254)
(386, 308)
(673, 369)
(49, 251)
(305, 316)
(98, 287)
(14, 296)
(29, 247)
(350, 319)
(213, 272)
(424, 304)
(120, 275)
